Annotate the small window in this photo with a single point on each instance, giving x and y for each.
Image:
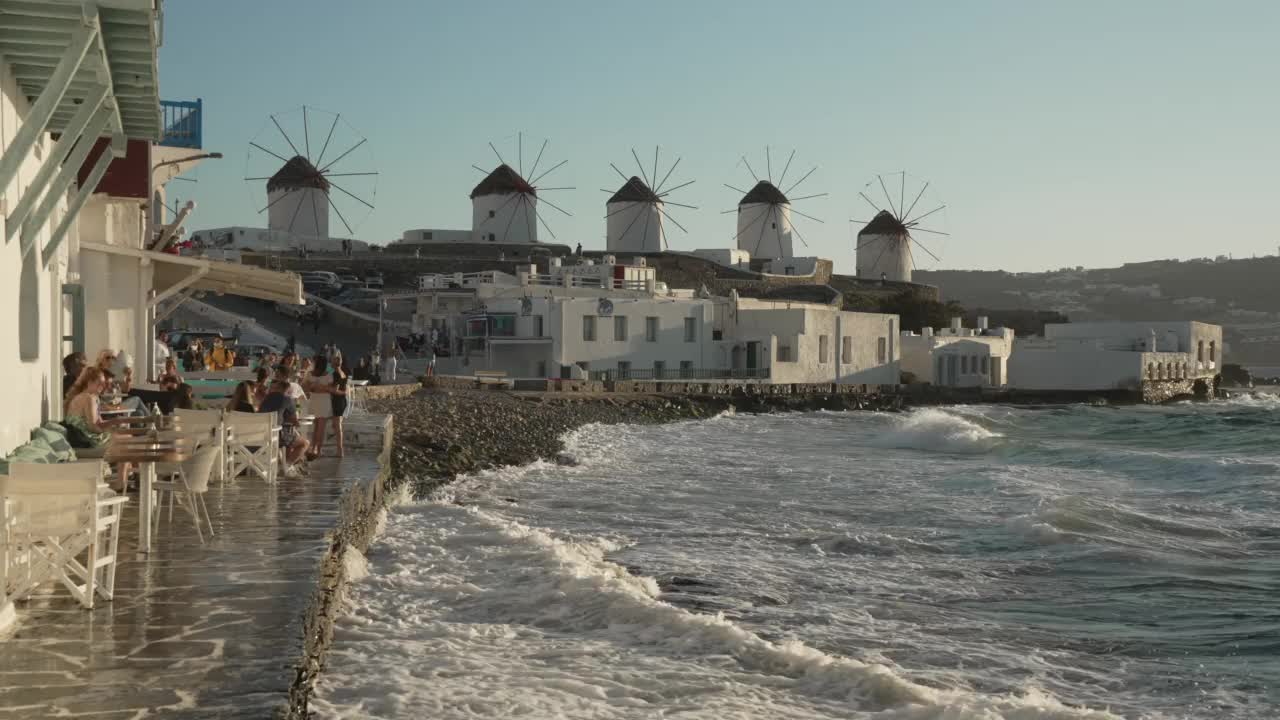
(540, 370)
(986, 367)
(1200, 351)
(491, 213)
(624, 369)
(585, 365)
(1213, 351)
(846, 349)
(686, 368)
(717, 334)
(651, 329)
(784, 353)
(823, 348)
(620, 328)
(588, 328)
(492, 237)
(426, 235)
(882, 350)
(659, 369)
(690, 329)
(537, 326)
(773, 226)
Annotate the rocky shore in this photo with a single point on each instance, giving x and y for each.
(442, 434)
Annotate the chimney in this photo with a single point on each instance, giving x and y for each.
(982, 322)
(956, 324)
(926, 332)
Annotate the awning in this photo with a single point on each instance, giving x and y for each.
(177, 273)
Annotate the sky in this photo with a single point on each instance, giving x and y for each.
(1057, 134)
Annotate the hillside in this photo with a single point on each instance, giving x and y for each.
(1241, 295)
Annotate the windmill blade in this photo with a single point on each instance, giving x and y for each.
(547, 172)
(306, 133)
(926, 249)
(877, 262)
(808, 197)
(691, 207)
(921, 217)
(645, 233)
(283, 195)
(664, 177)
(340, 216)
(315, 213)
(282, 159)
(740, 192)
(655, 165)
(350, 174)
(285, 134)
(802, 179)
(544, 222)
(327, 138)
(768, 165)
(886, 197)
(807, 216)
(566, 213)
(256, 178)
(506, 231)
(349, 194)
(640, 165)
(877, 208)
(348, 152)
(667, 215)
(625, 206)
(567, 187)
(495, 152)
(528, 221)
(770, 210)
(796, 230)
(627, 229)
(902, 187)
(874, 239)
(505, 203)
(785, 168)
(534, 168)
(753, 172)
(482, 170)
(520, 152)
(911, 258)
(295, 216)
(681, 185)
(918, 195)
(749, 225)
(932, 232)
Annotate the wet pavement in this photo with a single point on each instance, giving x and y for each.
(194, 631)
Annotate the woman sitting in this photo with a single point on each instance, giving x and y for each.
(186, 397)
(278, 401)
(81, 412)
(242, 399)
(262, 384)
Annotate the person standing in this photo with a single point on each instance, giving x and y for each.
(320, 386)
(340, 403)
(389, 363)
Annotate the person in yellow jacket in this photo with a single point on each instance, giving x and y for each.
(219, 357)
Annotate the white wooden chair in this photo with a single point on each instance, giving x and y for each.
(192, 481)
(55, 515)
(197, 421)
(254, 444)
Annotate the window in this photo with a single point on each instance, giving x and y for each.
(588, 328)
(620, 328)
(964, 364)
(986, 366)
(823, 349)
(882, 350)
(492, 237)
(1200, 351)
(784, 353)
(773, 226)
(686, 368)
(690, 329)
(717, 334)
(502, 325)
(491, 213)
(1213, 351)
(651, 329)
(537, 326)
(540, 370)
(659, 367)
(624, 369)
(846, 348)
(426, 234)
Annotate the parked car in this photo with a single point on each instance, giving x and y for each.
(321, 283)
(373, 279)
(297, 311)
(178, 340)
(360, 299)
(350, 280)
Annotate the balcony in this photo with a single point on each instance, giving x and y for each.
(182, 122)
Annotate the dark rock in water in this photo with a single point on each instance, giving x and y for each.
(566, 459)
(684, 584)
(513, 501)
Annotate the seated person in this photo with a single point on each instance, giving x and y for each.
(220, 357)
(294, 391)
(81, 412)
(72, 366)
(286, 410)
(186, 397)
(242, 398)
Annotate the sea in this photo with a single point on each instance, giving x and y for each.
(950, 563)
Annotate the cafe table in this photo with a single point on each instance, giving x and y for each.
(145, 443)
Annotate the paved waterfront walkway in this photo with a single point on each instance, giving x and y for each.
(195, 631)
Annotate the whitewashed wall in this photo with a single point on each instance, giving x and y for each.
(771, 241)
(1188, 335)
(801, 327)
(435, 235)
(671, 348)
(883, 254)
(30, 298)
(920, 357)
(513, 222)
(634, 227)
(303, 212)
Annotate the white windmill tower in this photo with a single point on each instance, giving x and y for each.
(636, 212)
(504, 205)
(300, 192)
(764, 213)
(883, 250)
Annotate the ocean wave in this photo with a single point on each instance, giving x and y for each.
(880, 544)
(938, 431)
(514, 576)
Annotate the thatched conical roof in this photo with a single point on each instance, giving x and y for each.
(884, 223)
(297, 174)
(502, 181)
(634, 190)
(764, 192)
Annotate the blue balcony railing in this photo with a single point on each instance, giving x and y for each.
(183, 123)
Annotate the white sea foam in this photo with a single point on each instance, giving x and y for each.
(939, 431)
(470, 614)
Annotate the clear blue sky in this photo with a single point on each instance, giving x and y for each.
(1070, 133)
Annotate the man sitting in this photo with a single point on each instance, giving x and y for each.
(220, 357)
(279, 402)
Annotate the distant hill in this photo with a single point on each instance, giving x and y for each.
(1241, 295)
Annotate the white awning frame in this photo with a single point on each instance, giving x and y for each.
(216, 276)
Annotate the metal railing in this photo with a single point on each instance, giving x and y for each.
(183, 123)
(681, 374)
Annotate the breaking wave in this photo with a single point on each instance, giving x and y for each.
(938, 431)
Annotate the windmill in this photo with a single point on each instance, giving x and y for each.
(764, 213)
(636, 211)
(504, 206)
(883, 248)
(313, 176)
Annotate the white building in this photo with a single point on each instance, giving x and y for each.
(957, 356)
(764, 222)
(251, 239)
(1116, 355)
(634, 219)
(504, 208)
(298, 200)
(435, 235)
(79, 274)
(613, 320)
(884, 249)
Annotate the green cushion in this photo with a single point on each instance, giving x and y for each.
(57, 442)
(35, 451)
(55, 427)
